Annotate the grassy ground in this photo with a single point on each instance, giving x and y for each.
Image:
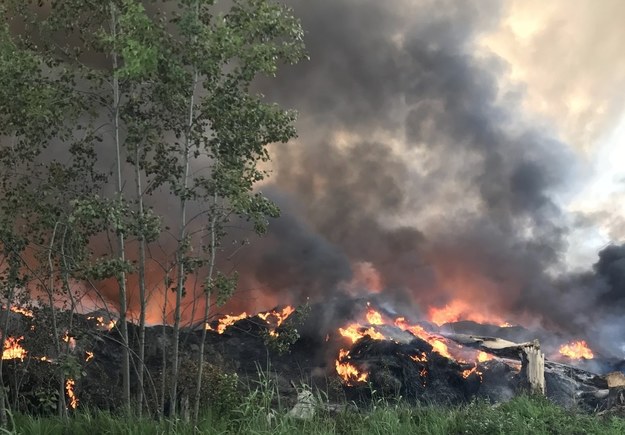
(520, 416)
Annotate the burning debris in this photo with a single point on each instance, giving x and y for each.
(373, 349)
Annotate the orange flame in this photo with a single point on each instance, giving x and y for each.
(460, 310)
(347, 371)
(13, 349)
(577, 350)
(227, 320)
(419, 358)
(466, 373)
(280, 316)
(437, 343)
(69, 388)
(23, 311)
(70, 340)
(373, 317)
(89, 356)
(355, 332)
(102, 324)
(483, 356)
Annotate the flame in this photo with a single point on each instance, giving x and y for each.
(373, 317)
(483, 356)
(69, 388)
(13, 349)
(280, 316)
(437, 343)
(227, 320)
(102, 324)
(460, 310)
(89, 356)
(466, 373)
(347, 371)
(23, 311)
(70, 340)
(576, 350)
(355, 332)
(419, 358)
(274, 318)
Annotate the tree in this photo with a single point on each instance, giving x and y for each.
(168, 92)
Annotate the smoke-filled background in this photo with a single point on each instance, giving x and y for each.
(450, 153)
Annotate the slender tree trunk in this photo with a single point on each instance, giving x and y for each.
(123, 327)
(182, 235)
(164, 349)
(142, 293)
(3, 336)
(207, 297)
(55, 329)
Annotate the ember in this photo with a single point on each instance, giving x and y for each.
(576, 350)
(102, 324)
(13, 349)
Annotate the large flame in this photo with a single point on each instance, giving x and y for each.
(458, 310)
(576, 350)
(13, 349)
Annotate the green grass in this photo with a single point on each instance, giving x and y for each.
(520, 416)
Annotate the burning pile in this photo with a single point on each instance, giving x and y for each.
(378, 327)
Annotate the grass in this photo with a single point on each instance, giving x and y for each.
(522, 415)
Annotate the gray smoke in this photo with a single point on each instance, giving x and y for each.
(411, 159)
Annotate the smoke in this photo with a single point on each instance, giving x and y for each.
(417, 172)
(417, 176)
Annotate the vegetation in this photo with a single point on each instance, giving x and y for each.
(112, 114)
(522, 415)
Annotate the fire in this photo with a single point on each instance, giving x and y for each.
(347, 371)
(227, 320)
(373, 317)
(274, 318)
(460, 310)
(437, 343)
(69, 340)
(23, 311)
(102, 324)
(576, 350)
(279, 316)
(483, 357)
(355, 332)
(89, 356)
(419, 358)
(466, 373)
(13, 349)
(69, 388)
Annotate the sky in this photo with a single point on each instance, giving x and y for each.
(569, 60)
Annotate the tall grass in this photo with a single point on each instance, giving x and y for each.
(258, 414)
